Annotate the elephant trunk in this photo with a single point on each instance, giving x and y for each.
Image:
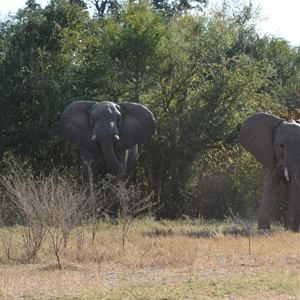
(106, 136)
(111, 158)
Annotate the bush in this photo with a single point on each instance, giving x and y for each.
(51, 206)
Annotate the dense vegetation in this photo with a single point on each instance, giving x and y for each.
(201, 72)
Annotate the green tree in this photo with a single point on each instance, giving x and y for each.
(132, 46)
(199, 102)
(39, 77)
(103, 7)
(168, 9)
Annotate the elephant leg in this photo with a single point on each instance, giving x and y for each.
(119, 177)
(268, 200)
(94, 172)
(132, 154)
(288, 221)
(123, 158)
(94, 166)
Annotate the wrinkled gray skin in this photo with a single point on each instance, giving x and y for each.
(106, 122)
(275, 143)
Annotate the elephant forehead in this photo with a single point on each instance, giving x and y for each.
(289, 128)
(105, 107)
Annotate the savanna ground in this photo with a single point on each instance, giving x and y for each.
(187, 259)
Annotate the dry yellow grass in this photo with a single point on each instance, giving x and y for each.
(190, 259)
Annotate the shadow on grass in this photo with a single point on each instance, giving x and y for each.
(205, 233)
(55, 267)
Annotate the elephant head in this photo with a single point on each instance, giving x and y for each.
(106, 126)
(275, 142)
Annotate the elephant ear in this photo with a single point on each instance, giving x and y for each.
(74, 124)
(138, 125)
(256, 135)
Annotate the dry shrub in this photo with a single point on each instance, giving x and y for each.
(55, 210)
(6, 213)
(132, 205)
(7, 217)
(50, 206)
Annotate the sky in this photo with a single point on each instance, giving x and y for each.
(283, 17)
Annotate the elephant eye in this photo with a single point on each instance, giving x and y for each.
(92, 119)
(281, 145)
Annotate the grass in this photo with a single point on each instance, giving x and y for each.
(187, 259)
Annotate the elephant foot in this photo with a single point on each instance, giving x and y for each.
(264, 226)
(114, 209)
(295, 226)
(288, 222)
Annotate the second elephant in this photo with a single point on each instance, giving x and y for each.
(275, 143)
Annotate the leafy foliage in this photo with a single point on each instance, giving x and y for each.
(39, 76)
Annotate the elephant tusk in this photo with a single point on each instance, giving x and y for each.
(117, 137)
(286, 173)
(94, 137)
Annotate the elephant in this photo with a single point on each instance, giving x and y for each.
(108, 135)
(275, 143)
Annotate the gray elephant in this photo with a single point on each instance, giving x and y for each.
(107, 134)
(275, 143)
